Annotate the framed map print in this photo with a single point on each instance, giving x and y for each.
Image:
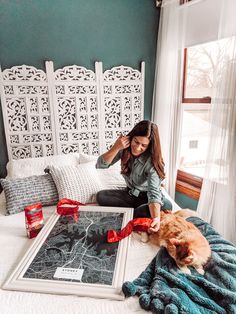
(72, 256)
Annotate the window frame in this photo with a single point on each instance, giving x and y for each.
(187, 183)
(185, 100)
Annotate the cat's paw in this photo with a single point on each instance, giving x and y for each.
(144, 237)
(141, 236)
(185, 270)
(200, 270)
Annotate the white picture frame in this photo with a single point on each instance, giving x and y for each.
(17, 281)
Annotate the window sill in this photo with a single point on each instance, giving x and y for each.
(204, 100)
(188, 184)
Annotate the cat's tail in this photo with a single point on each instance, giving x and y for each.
(185, 213)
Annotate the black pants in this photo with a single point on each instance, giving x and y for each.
(122, 198)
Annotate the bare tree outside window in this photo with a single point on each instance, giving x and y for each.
(202, 63)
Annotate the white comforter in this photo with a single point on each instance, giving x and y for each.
(14, 243)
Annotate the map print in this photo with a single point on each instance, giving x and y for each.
(79, 246)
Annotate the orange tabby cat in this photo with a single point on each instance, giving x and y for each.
(183, 241)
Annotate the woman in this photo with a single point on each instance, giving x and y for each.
(142, 167)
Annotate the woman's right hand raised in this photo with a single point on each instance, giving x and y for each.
(122, 142)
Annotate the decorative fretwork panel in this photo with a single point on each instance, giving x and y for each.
(23, 73)
(76, 110)
(72, 109)
(27, 113)
(123, 100)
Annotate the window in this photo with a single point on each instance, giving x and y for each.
(193, 144)
(198, 73)
(200, 64)
(194, 140)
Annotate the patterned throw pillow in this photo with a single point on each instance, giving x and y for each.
(22, 192)
(79, 183)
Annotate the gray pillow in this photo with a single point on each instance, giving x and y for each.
(22, 192)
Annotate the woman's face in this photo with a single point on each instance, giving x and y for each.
(139, 144)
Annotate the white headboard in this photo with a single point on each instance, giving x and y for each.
(72, 109)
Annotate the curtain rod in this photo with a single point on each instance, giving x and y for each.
(159, 3)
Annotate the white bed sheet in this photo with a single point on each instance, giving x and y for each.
(14, 244)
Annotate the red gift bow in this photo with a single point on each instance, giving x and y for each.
(137, 224)
(68, 207)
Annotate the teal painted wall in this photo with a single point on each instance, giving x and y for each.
(185, 202)
(78, 32)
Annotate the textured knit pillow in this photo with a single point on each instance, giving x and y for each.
(80, 183)
(22, 192)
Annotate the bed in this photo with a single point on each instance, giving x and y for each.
(61, 121)
(65, 117)
(14, 244)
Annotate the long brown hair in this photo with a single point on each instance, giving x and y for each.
(150, 130)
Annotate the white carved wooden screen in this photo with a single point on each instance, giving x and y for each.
(27, 112)
(76, 106)
(68, 110)
(122, 98)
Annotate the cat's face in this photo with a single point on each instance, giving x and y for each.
(181, 252)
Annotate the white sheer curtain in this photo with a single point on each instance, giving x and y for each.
(198, 22)
(167, 87)
(217, 203)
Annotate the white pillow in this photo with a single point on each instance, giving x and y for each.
(111, 177)
(84, 158)
(80, 183)
(27, 167)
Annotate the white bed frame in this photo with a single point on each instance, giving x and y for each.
(72, 109)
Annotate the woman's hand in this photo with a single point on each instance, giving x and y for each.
(155, 225)
(154, 209)
(121, 143)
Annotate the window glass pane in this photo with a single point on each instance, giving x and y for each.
(195, 133)
(202, 62)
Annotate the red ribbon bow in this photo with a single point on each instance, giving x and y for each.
(68, 207)
(137, 224)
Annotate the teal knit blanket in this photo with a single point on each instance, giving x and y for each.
(163, 288)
